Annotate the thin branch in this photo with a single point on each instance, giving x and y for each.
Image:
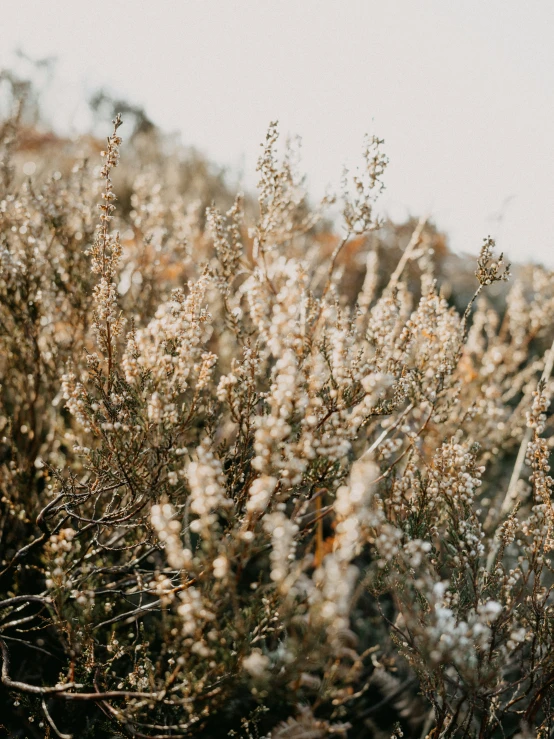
(408, 251)
(52, 724)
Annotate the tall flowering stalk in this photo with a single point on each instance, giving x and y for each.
(105, 255)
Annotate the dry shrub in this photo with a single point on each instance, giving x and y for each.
(238, 498)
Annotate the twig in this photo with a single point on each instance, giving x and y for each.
(52, 724)
(406, 256)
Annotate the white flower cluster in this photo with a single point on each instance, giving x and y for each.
(536, 418)
(331, 599)
(260, 493)
(207, 489)
(354, 509)
(274, 452)
(168, 528)
(170, 347)
(537, 457)
(193, 611)
(256, 663)
(63, 547)
(454, 481)
(335, 580)
(456, 641)
(74, 395)
(105, 297)
(283, 541)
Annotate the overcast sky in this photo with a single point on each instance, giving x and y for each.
(461, 91)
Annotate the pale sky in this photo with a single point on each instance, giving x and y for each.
(461, 91)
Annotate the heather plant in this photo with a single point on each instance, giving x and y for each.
(237, 500)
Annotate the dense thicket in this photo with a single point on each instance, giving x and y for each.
(262, 476)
